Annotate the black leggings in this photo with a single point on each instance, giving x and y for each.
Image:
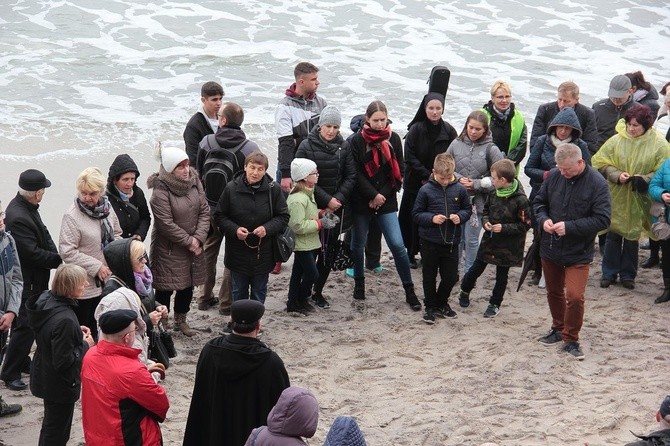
(182, 299)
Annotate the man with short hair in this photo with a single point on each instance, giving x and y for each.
(568, 96)
(39, 255)
(609, 111)
(572, 206)
(295, 117)
(659, 437)
(120, 401)
(229, 136)
(204, 121)
(237, 382)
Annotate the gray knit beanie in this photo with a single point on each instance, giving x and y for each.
(330, 116)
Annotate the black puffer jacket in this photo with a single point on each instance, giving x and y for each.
(337, 171)
(434, 199)
(242, 205)
(420, 152)
(56, 366)
(583, 203)
(134, 217)
(587, 121)
(367, 187)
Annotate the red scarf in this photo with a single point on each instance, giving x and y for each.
(378, 140)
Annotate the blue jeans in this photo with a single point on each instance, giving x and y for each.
(620, 258)
(242, 282)
(470, 241)
(388, 223)
(303, 275)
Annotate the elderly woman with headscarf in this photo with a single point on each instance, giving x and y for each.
(127, 199)
(181, 223)
(629, 160)
(428, 135)
(87, 227)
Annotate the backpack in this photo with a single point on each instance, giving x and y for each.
(218, 169)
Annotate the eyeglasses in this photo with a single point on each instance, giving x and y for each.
(500, 98)
(143, 258)
(314, 173)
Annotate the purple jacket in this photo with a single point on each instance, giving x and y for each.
(295, 415)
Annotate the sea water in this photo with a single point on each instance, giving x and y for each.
(85, 80)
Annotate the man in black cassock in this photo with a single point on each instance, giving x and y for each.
(237, 382)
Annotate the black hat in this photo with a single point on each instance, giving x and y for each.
(665, 407)
(246, 311)
(32, 180)
(116, 320)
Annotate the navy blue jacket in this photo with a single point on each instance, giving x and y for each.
(434, 199)
(583, 203)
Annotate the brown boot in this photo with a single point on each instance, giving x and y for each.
(180, 324)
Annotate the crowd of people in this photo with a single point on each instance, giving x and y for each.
(594, 174)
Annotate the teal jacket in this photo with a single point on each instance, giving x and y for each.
(304, 220)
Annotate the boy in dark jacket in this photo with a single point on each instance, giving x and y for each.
(441, 205)
(506, 219)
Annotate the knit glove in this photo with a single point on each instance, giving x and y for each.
(638, 184)
(329, 220)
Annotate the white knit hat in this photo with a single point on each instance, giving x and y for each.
(170, 157)
(301, 168)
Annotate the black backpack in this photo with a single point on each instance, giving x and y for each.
(218, 170)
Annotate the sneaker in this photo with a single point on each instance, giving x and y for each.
(464, 299)
(228, 329)
(551, 338)
(605, 283)
(429, 317)
(535, 278)
(492, 310)
(294, 307)
(574, 350)
(306, 306)
(413, 263)
(376, 269)
(542, 284)
(445, 311)
(350, 272)
(224, 311)
(207, 304)
(276, 269)
(9, 409)
(320, 301)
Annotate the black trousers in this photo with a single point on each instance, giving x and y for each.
(18, 350)
(476, 270)
(408, 228)
(443, 259)
(85, 312)
(56, 424)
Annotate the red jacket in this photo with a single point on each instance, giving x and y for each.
(121, 403)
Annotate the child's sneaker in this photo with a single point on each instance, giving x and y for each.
(445, 311)
(349, 272)
(429, 317)
(464, 299)
(492, 310)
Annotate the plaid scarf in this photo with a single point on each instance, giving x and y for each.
(378, 141)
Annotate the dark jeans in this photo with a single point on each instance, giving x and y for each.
(373, 245)
(18, 349)
(57, 423)
(476, 270)
(442, 258)
(303, 275)
(257, 283)
(182, 299)
(620, 258)
(409, 229)
(665, 257)
(85, 311)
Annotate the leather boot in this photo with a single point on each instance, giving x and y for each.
(666, 292)
(411, 299)
(180, 324)
(359, 288)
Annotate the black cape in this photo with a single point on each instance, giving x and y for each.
(238, 381)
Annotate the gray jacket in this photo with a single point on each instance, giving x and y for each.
(11, 285)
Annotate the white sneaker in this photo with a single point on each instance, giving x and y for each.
(542, 283)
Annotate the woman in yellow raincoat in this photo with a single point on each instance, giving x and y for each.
(628, 160)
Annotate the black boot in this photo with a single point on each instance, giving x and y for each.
(651, 262)
(411, 299)
(359, 288)
(666, 292)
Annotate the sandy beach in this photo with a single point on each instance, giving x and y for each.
(463, 381)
